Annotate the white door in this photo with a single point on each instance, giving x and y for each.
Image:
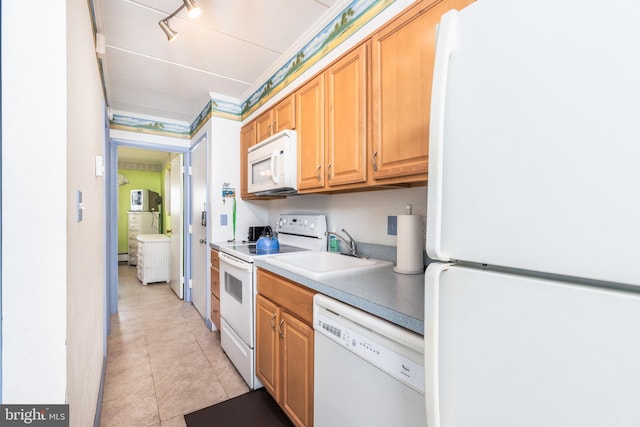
(199, 252)
(175, 201)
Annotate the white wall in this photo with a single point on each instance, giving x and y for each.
(225, 168)
(53, 267)
(86, 240)
(34, 202)
(363, 215)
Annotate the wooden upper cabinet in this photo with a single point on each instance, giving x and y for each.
(263, 125)
(309, 101)
(248, 138)
(282, 116)
(346, 118)
(402, 70)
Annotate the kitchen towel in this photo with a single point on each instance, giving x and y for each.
(410, 244)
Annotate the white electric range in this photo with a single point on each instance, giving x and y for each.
(296, 232)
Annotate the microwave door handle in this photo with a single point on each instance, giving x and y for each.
(274, 176)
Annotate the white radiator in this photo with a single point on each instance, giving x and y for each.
(154, 258)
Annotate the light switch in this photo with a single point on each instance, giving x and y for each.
(79, 206)
(223, 219)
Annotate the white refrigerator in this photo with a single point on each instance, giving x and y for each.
(532, 312)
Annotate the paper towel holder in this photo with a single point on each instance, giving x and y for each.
(409, 259)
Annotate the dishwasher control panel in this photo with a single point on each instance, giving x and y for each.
(376, 350)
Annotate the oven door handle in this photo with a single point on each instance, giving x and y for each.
(245, 266)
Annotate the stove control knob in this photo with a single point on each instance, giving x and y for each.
(306, 222)
(312, 226)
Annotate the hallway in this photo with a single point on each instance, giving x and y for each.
(162, 360)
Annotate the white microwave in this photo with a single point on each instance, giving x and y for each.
(272, 165)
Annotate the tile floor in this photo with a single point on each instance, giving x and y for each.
(162, 361)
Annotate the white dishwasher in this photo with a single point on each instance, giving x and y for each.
(367, 371)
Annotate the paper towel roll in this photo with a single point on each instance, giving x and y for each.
(409, 254)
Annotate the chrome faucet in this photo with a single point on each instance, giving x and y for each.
(351, 244)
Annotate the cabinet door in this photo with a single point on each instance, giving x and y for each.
(346, 139)
(284, 114)
(263, 126)
(247, 139)
(296, 398)
(310, 128)
(402, 70)
(267, 345)
(215, 311)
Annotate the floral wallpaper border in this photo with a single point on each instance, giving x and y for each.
(353, 17)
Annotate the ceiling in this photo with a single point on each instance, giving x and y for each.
(139, 156)
(232, 48)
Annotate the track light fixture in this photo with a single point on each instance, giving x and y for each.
(192, 10)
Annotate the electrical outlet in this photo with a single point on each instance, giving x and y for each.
(392, 225)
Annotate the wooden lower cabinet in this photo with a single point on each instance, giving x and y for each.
(296, 358)
(284, 345)
(215, 288)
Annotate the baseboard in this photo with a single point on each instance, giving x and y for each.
(96, 420)
(123, 257)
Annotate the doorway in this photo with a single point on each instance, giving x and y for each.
(145, 166)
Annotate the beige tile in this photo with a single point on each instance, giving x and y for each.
(181, 354)
(159, 334)
(186, 390)
(128, 380)
(125, 358)
(137, 409)
(174, 422)
(163, 362)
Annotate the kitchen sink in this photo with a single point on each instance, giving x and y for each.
(322, 265)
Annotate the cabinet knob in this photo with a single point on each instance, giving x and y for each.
(373, 161)
(329, 176)
(273, 322)
(318, 173)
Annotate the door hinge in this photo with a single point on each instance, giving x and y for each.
(190, 171)
(190, 229)
(190, 283)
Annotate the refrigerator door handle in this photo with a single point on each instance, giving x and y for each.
(446, 41)
(431, 350)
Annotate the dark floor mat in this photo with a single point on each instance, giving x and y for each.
(256, 408)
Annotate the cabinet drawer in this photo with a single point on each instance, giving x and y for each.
(293, 297)
(215, 259)
(215, 282)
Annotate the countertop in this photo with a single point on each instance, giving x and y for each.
(397, 298)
